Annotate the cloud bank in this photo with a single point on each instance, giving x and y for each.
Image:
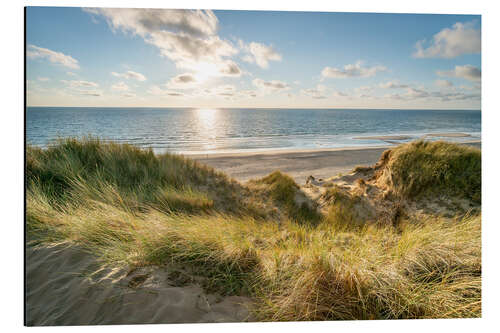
(54, 57)
(120, 86)
(80, 83)
(260, 54)
(443, 83)
(351, 71)
(452, 42)
(316, 93)
(467, 72)
(271, 86)
(187, 37)
(392, 85)
(130, 75)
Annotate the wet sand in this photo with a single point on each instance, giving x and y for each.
(299, 164)
(407, 137)
(383, 137)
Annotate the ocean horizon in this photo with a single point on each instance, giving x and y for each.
(233, 130)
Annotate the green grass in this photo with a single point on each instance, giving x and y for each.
(426, 168)
(283, 190)
(132, 208)
(345, 210)
(133, 179)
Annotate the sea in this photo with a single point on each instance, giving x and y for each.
(207, 131)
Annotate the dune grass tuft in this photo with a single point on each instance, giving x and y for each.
(425, 167)
(345, 209)
(286, 194)
(132, 178)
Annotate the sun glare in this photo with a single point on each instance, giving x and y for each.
(205, 70)
(206, 120)
(206, 116)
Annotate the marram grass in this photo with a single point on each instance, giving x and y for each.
(131, 207)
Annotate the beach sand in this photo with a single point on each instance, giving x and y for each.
(299, 164)
(61, 291)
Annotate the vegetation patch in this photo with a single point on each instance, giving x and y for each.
(433, 168)
(345, 209)
(123, 175)
(287, 195)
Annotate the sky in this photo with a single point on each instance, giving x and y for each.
(251, 59)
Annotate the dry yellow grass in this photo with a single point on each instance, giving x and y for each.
(293, 270)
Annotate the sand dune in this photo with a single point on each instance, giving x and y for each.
(61, 291)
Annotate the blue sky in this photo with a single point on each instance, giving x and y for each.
(165, 58)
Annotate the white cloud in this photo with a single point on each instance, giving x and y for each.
(260, 54)
(80, 83)
(71, 73)
(393, 85)
(142, 21)
(474, 87)
(130, 75)
(339, 94)
(248, 93)
(187, 51)
(363, 89)
(81, 87)
(422, 94)
(182, 81)
(128, 94)
(226, 90)
(229, 68)
(155, 90)
(443, 83)
(43, 79)
(270, 86)
(316, 93)
(352, 70)
(90, 93)
(452, 42)
(393, 96)
(416, 93)
(455, 96)
(120, 86)
(187, 37)
(467, 72)
(35, 52)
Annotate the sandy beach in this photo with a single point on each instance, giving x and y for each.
(61, 291)
(299, 164)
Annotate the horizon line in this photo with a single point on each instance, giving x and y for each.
(243, 107)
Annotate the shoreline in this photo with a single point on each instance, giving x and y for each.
(306, 150)
(298, 164)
